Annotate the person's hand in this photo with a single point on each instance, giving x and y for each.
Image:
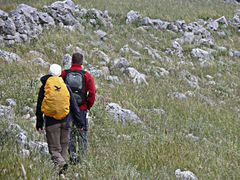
(81, 130)
(40, 130)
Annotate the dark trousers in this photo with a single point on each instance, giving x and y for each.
(78, 142)
(57, 139)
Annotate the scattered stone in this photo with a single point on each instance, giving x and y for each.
(101, 56)
(9, 57)
(101, 17)
(125, 50)
(222, 49)
(39, 61)
(7, 112)
(120, 63)
(28, 110)
(33, 119)
(95, 72)
(121, 115)
(101, 34)
(137, 78)
(26, 116)
(211, 83)
(222, 21)
(192, 137)
(3, 15)
(36, 54)
(187, 38)
(24, 153)
(124, 137)
(158, 111)
(213, 25)
(185, 175)
(114, 79)
(46, 20)
(39, 146)
(105, 71)
(189, 78)
(67, 61)
(132, 16)
(15, 128)
(11, 102)
(207, 100)
(234, 53)
(201, 54)
(178, 95)
(21, 139)
(153, 53)
(160, 72)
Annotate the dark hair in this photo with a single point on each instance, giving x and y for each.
(77, 58)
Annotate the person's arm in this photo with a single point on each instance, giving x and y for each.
(74, 109)
(63, 74)
(39, 114)
(91, 90)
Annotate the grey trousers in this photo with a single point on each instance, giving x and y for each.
(77, 140)
(57, 139)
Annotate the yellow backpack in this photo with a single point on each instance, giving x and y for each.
(56, 101)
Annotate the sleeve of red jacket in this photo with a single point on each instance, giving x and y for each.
(91, 90)
(63, 74)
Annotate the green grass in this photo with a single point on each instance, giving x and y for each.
(157, 148)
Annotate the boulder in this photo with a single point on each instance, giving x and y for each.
(8, 27)
(28, 110)
(41, 62)
(160, 72)
(22, 139)
(122, 115)
(3, 15)
(201, 54)
(213, 25)
(101, 17)
(7, 112)
(11, 102)
(137, 78)
(42, 147)
(120, 63)
(45, 19)
(101, 34)
(67, 61)
(153, 53)
(234, 53)
(113, 79)
(62, 12)
(185, 175)
(189, 78)
(132, 16)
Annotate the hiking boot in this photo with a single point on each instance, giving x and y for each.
(63, 170)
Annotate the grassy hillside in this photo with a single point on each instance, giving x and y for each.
(157, 148)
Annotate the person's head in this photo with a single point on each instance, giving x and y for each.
(77, 58)
(55, 70)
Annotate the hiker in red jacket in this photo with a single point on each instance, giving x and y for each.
(82, 85)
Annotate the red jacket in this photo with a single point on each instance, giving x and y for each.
(90, 89)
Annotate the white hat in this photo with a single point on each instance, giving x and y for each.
(55, 70)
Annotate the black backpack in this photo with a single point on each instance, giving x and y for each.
(76, 81)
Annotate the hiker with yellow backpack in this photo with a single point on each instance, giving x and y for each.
(54, 106)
